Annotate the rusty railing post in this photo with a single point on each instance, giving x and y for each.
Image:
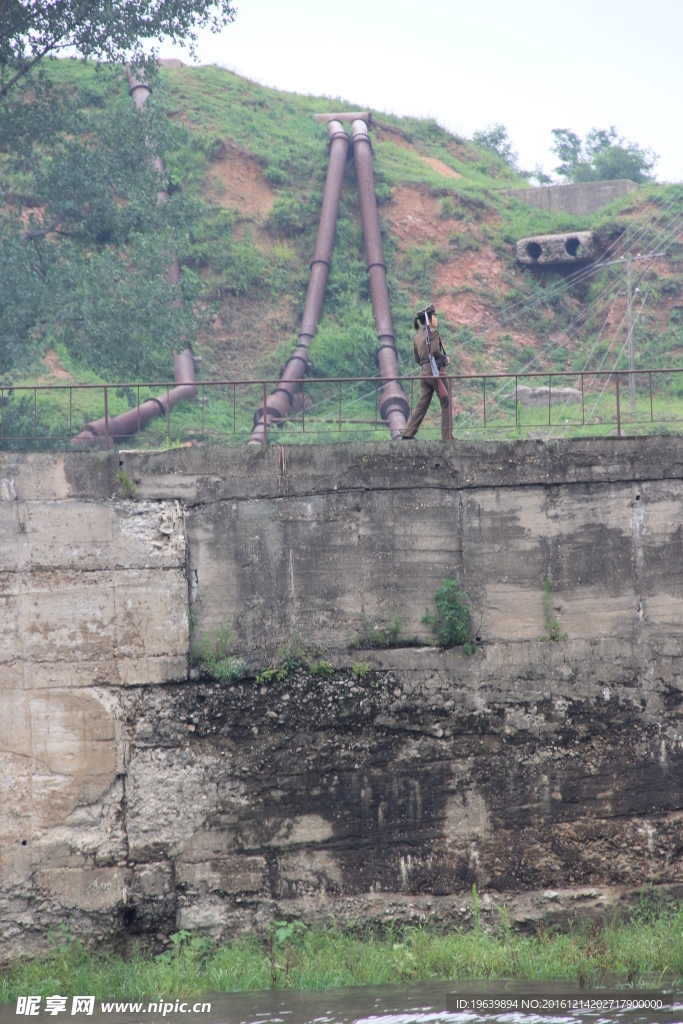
(550, 391)
(516, 379)
(35, 413)
(450, 408)
(106, 419)
(583, 408)
(265, 414)
(340, 406)
(303, 406)
(234, 406)
(168, 413)
(70, 390)
(484, 402)
(649, 373)
(618, 408)
(138, 408)
(202, 410)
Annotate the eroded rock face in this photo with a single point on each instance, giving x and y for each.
(137, 796)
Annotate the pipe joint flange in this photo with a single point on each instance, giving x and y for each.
(377, 264)
(314, 261)
(395, 403)
(339, 135)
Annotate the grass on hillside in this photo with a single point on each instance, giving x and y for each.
(651, 943)
(228, 272)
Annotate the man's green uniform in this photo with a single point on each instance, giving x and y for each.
(428, 384)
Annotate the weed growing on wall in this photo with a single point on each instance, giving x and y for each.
(212, 655)
(451, 620)
(129, 488)
(553, 629)
(370, 637)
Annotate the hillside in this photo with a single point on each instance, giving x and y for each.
(246, 167)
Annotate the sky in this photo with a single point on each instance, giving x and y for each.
(530, 65)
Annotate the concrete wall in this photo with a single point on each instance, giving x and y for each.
(137, 796)
(578, 200)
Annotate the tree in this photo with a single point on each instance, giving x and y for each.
(113, 31)
(85, 273)
(495, 138)
(602, 156)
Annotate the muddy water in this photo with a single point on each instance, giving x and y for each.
(431, 1003)
(426, 1003)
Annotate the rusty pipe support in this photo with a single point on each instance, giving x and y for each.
(279, 403)
(393, 404)
(129, 422)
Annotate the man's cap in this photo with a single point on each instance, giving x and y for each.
(421, 314)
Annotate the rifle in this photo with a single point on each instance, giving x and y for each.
(443, 391)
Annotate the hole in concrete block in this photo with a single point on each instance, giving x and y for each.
(128, 916)
(534, 250)
(572, 246)
(23, 841)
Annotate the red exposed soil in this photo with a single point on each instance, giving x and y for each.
(440, 167)
(414, 216)
(236, 180)
(223, 342)
(51, 361)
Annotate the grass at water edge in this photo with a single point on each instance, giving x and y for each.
(650, 944)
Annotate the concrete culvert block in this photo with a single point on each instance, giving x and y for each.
(536, 398)
(551, 250)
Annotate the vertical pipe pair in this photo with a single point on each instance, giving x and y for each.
(394, 406)
(278, 405)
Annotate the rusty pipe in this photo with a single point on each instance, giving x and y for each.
(135, 419)
(279, 403)
(393, 404)
(139, 91)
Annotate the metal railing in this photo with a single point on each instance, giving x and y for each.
(482, 405)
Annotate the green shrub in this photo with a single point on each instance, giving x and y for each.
(451, 621)
(212, 655)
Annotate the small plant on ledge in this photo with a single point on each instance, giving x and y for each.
(553, 628)
(212, 655)
(451, 622)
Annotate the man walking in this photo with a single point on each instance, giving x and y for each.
(431, 356)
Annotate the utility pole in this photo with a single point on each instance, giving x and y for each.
(631, 349)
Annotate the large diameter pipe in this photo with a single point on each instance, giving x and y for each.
(139, 92)
(393, 404)
(130, 422)
(279, 403)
